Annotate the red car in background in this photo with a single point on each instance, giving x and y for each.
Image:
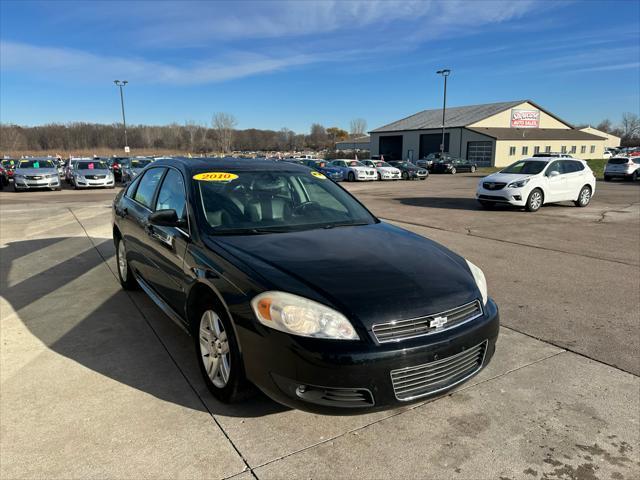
(8, 166)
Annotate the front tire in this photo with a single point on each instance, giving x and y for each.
(584, 197)
(405, 176)
(453, 171)
(125, 275)
(535, 200)
(473, 169)
(634, 177)
(218, 355)
(351, 177)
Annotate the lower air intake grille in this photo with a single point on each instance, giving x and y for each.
(430, 378)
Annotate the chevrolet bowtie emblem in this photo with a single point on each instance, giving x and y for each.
(438, 322)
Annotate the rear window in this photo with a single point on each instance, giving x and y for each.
(618, 161)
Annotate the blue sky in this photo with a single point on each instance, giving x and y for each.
(289, 64)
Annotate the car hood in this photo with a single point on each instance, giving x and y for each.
(36, 171)
(372, 273)
(330, 169)
(506, 177)
(93, 171)
(362, 169)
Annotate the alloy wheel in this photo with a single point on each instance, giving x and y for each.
(536, 200)
(585, 196)
(214, 348)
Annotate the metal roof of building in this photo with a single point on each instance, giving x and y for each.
(455, 117)
(535, 133)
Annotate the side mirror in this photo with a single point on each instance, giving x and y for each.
(553, 173)
(165, 218)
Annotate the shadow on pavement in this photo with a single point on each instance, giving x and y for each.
(78, 312)
(447, 203)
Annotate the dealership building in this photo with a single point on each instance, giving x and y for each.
(494, 134)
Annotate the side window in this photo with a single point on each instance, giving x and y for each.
(172, 194)
(566, 166)
(131, 189)
(578, 166)
(147, 187)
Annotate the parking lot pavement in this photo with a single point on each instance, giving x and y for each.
(97, 382)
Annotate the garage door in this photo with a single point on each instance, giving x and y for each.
(391, 147)
(430, 143)
(481, 153)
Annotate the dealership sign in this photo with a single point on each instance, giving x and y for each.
(525, 118)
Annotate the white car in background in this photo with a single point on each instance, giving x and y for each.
(354, 170)
(533, 182)
(385, 171)
(627, 168)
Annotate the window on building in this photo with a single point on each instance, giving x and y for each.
(536, 149)
(525, 150)
(512, 151)
(563, 149)
(583, 149)
(547, 149)
(593, 149)
(573, 149)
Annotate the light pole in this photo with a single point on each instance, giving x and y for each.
(445, 73)
(120, 84)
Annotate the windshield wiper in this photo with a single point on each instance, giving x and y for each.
(344, 224)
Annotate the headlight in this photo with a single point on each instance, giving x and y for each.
(18, 176)
(481, 281)
(519, 183)
(300, 316)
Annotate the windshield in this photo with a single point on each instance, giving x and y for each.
(618, 161)
(382, 164)
(36, 164)
(355, 163)
(94, 165)
(525, 167)
(139, 163)
(258, 202)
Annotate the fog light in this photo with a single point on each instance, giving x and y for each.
(301, 389)
(517, 197)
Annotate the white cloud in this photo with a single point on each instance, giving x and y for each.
(87, 67)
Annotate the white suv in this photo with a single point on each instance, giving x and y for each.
(532, 182)
(622, 167)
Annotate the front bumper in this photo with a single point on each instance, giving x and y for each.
(512, 196)
(94, 183)
(361, 177)
(390, 176)
(26, 184)
(329, 377)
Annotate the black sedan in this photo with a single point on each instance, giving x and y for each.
(409, 171)
(453, 165)
(286, 282)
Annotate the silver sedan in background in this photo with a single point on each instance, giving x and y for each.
(92, 173)
(36, 173)
(132, 167)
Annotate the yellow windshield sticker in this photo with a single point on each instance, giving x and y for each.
(318, 175)
(215, 177)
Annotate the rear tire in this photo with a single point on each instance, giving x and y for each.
(405, 176)
(607, 178)
(634, 177)
(453, 171)
(473, 169)
(218, 354)
(535, 200)
(584, 197)
(125, 275)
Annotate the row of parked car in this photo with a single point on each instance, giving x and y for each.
(51, 172)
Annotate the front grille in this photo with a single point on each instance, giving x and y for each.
(494, 185)
(34, 177)
(430, 378)
(398, 330)
(494, 198)
(95, 177)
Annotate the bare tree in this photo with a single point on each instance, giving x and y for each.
(358, 127)
(605, 126)
(223, 125)
(630, 125)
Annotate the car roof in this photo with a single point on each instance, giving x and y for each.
(230, 163)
